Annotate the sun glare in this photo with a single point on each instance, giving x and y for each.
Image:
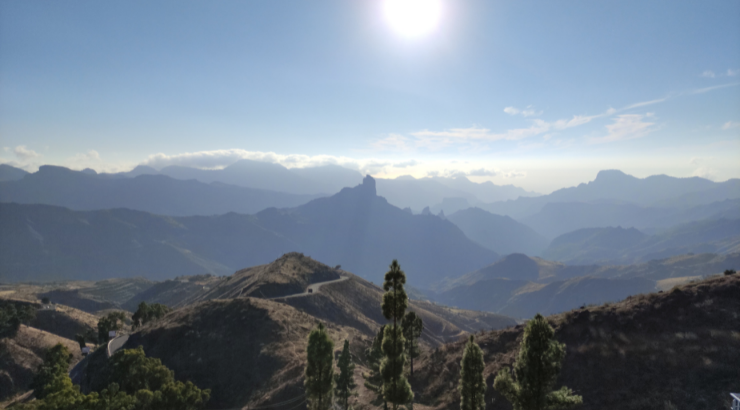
(413, 18)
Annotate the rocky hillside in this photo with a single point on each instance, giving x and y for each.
(680, 346)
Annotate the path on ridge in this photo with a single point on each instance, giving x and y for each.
(312, 289)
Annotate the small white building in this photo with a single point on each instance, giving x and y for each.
(112, 334)
(735, 401)
(85, 351)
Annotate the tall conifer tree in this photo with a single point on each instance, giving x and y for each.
(472, 384)
(319, 377)
(345, 379)
(396, 388)
(412, 328)
(536, 369)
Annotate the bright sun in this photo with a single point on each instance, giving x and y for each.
(413, 18)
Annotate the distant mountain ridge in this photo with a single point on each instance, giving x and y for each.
(520, 286)
(499, 233)
(354, 228)
(614, 185)
(157, 194)
(626, 246)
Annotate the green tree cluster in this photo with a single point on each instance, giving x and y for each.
(529, 386)
(319, 375)
(136, 383)
(111, 321)
(472, 384)
(396, 389)
(12, 315)
(146, 313)
(345, 381)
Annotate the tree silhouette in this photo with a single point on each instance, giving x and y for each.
(396, 388)
(529, 386)
(472, 384)
(345, 380)
(412, 328)
(319, 376)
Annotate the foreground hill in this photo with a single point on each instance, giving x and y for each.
(251, 350)
(159, 194)
(520, 286)
(345, 299)
(354, 228)
(21, 355)
(681, 346)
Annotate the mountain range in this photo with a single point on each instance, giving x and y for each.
(627, 246)
(521, 286)
(354, 228)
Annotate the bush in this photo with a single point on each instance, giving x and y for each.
(729, 272)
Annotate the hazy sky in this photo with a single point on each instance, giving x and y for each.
(539, 94)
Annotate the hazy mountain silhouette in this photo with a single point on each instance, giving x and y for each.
(558, 218)
(499, 233)
(364, 233)
(521, 286)
(10, 173)
(325, 179)
(628, 246)
(354, 228)
(407, 191)
(158, 194)
(614, 185)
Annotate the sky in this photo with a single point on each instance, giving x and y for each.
(537, 94)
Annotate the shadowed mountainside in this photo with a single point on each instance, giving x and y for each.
(499, 233)
(680, 346)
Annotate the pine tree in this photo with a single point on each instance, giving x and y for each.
(345, 380)
(412, 328)
(472, 384)
(396, 388)
(536, 369)
(319, 376)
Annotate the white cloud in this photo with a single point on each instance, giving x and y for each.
(514, 174)
(705, 172)
(527, 112)
(708, 74)
(88, 156)
(732, 73)
(219, 159)
(24, 153)
(405, 164)
(482, 172)
(626, 127)
(730, 124)
(511, 111)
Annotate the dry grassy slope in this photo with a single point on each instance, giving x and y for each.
(174, 293)
(289, 274)
(249, 351)
(63, 321)
(681, 346)
(21, 355)
(356, 303)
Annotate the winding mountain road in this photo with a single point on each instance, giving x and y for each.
(312, 289)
